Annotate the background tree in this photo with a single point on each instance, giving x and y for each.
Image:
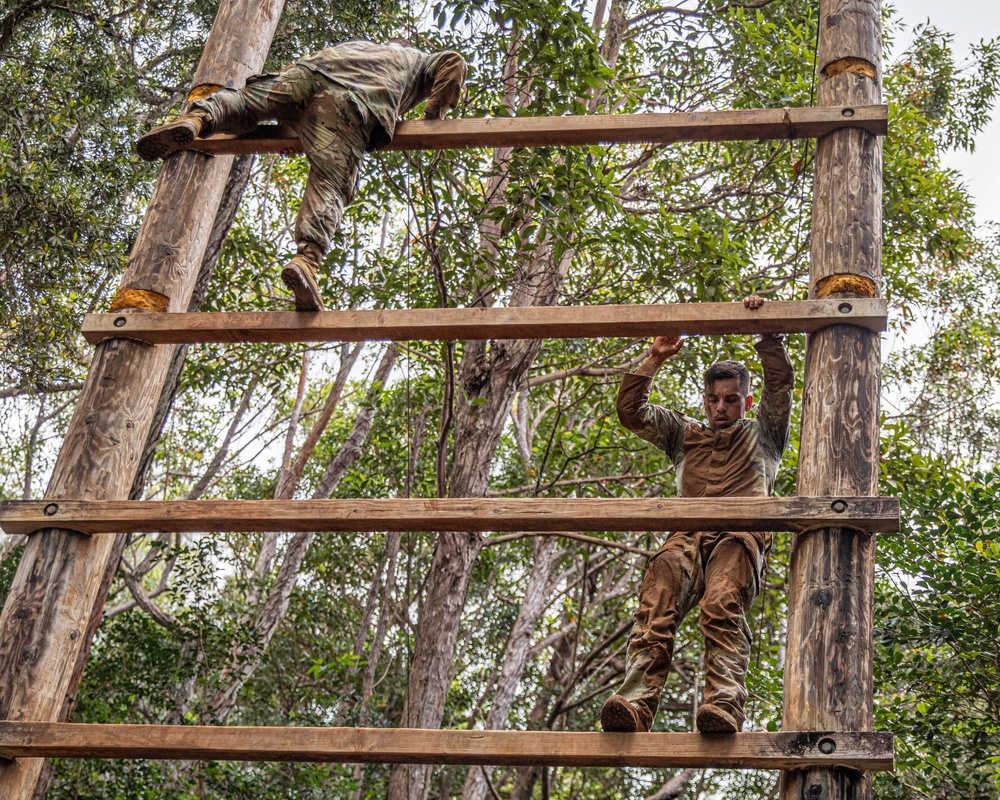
(517, 630)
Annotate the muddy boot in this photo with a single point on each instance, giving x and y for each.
(177, 135)
(712, 719)
(618, 715)
(299, 276)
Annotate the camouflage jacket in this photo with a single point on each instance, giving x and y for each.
(741, 460)
(387, 80)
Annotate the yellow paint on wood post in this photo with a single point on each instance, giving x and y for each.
(139, 298)
(202, 91)
(850, 64)
(847, 283)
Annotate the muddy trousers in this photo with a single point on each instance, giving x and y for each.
(333, 129)
(720, 570)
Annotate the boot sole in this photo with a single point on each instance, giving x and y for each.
(617, 718)
(306, 297)
(168, 139)
(715, 720)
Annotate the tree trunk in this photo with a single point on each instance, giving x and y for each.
(516, 654)
(828, 667)
(60, 584)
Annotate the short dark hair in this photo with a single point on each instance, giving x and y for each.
(729, 369)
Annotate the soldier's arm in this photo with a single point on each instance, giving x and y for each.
(658, 425)
(444, 75)
(774, 412)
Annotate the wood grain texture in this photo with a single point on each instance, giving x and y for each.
(59, 584)
(847, 235)
(485, 323)
(828, 663)
(698, 126)
(420, 746)
(879, 514)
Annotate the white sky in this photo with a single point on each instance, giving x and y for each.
(970, 21)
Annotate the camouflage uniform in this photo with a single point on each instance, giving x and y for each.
(343, 100)
(720, 569)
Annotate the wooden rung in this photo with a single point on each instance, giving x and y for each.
(860, 751)
(877, 514)
(554, 322)
(688, 126)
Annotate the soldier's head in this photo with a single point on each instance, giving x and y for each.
(727, 393)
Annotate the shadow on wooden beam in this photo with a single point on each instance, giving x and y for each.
(875, 514)
(860, 751)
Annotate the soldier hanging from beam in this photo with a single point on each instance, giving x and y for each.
(342, 100)
(722, 571)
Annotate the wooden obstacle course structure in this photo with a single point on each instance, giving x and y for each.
(55, 601)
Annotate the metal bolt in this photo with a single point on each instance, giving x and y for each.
(847, 112)
(51, 509)
(120, 322)
(839, 506)
(845, 308)
(827, 747)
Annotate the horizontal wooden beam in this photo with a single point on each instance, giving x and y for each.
(693, 126)
(860, 751)
(554, 322)
(877, 514)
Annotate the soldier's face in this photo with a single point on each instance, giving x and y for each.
(725, 404)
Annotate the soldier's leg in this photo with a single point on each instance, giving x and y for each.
(283, 96)
(670, 587)
(334, 135)
(733, 566)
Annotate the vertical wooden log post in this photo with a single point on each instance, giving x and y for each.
(58, 586)
(828, 670)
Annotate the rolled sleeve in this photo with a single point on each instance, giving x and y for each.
(660, 426)
(774, 412)
(444, 76)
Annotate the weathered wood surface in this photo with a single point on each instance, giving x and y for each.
(696, 126)
(485, 323)
(828, 664)
(876, 514)
(59, 584)
(418, 746)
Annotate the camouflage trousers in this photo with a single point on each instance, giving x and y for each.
(334, 131)
(720, 570)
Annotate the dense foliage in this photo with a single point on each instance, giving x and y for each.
(301, 630)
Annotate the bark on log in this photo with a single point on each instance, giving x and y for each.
(828, 667)
(60, 582)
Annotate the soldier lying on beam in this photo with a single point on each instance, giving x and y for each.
(342, 100)
(721, 570)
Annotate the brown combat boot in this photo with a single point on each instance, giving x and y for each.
(163, 140)
(712, 719)
(299, 275)
(618, 715)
